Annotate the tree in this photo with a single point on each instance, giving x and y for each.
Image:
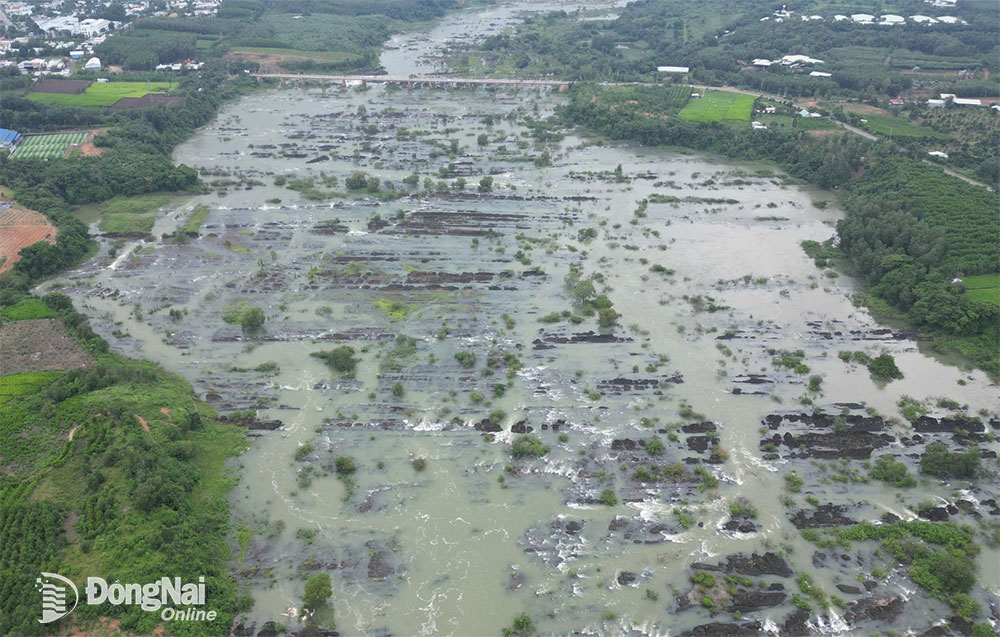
(483, 139)
(486, 184)
(883, 367)
(522, 627)
(318, 590)
(340, 359)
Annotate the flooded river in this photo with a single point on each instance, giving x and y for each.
(456, 303)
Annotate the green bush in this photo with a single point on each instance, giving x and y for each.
(340, 359)
(938, 461)
(608, 497)
(345, 465)
(888, 469)
(528, 445)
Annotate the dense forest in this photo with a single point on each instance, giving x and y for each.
(911, 230)
(138, 492)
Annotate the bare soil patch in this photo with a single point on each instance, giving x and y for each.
(865, 109)
(64, 87)
(19, 228)
(39, 345)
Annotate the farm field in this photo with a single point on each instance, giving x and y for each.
(102, 93)
(717, 106)
(899, 127)
(20, 227)
(48, 146)
(983, 288)
(39, 345)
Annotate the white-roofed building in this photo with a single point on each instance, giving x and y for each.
(923, 19)
(933, 103)
(938, 154)
(840, 18)
(891, 19)
(799, 59)
(673, 69)
(762, 63)
(93, 64)
(964, 101)
(950, 19)
(819, 74)
(862, 18)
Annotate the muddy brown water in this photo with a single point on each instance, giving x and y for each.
(463, 545)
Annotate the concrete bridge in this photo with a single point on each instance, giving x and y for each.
(412, 82)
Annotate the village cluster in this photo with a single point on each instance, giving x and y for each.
(70, 31)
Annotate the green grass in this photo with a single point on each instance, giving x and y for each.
(717, 106)
(899, 127)
(815, 123)
(983, 288)
(27, 309)
(127, 223)
(101, 93)
(193, 223)
(136, 204)
(47, 146)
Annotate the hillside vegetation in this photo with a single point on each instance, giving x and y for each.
(138, 493)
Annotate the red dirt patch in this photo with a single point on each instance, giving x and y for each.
(142, 421)
(164, 411)
(39, 345)
(19, 228)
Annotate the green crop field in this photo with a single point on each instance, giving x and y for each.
(102, 93)
(47, 146)
(983, 288)
(899, 127)
(716, 106)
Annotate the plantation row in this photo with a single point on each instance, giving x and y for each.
(47, 146)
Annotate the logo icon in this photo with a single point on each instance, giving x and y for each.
(55, 589)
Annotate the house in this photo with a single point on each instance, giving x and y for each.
(950, 19)
(933, 103)
(757, 126)
(819, 74)
(770, 110)
(962, 101)
(938, 154)
(60, 24)
(94, 26)
(896, 102)
(673, 69)
(947, 96)
(762, 63)
(75, 55)
(799, 59)
(840, 18)
(862, 18)
(695, 96)
(806, 113)
(891, 19)
(923, 19)
(93, 64)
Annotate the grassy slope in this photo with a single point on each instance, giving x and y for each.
(135, 505)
